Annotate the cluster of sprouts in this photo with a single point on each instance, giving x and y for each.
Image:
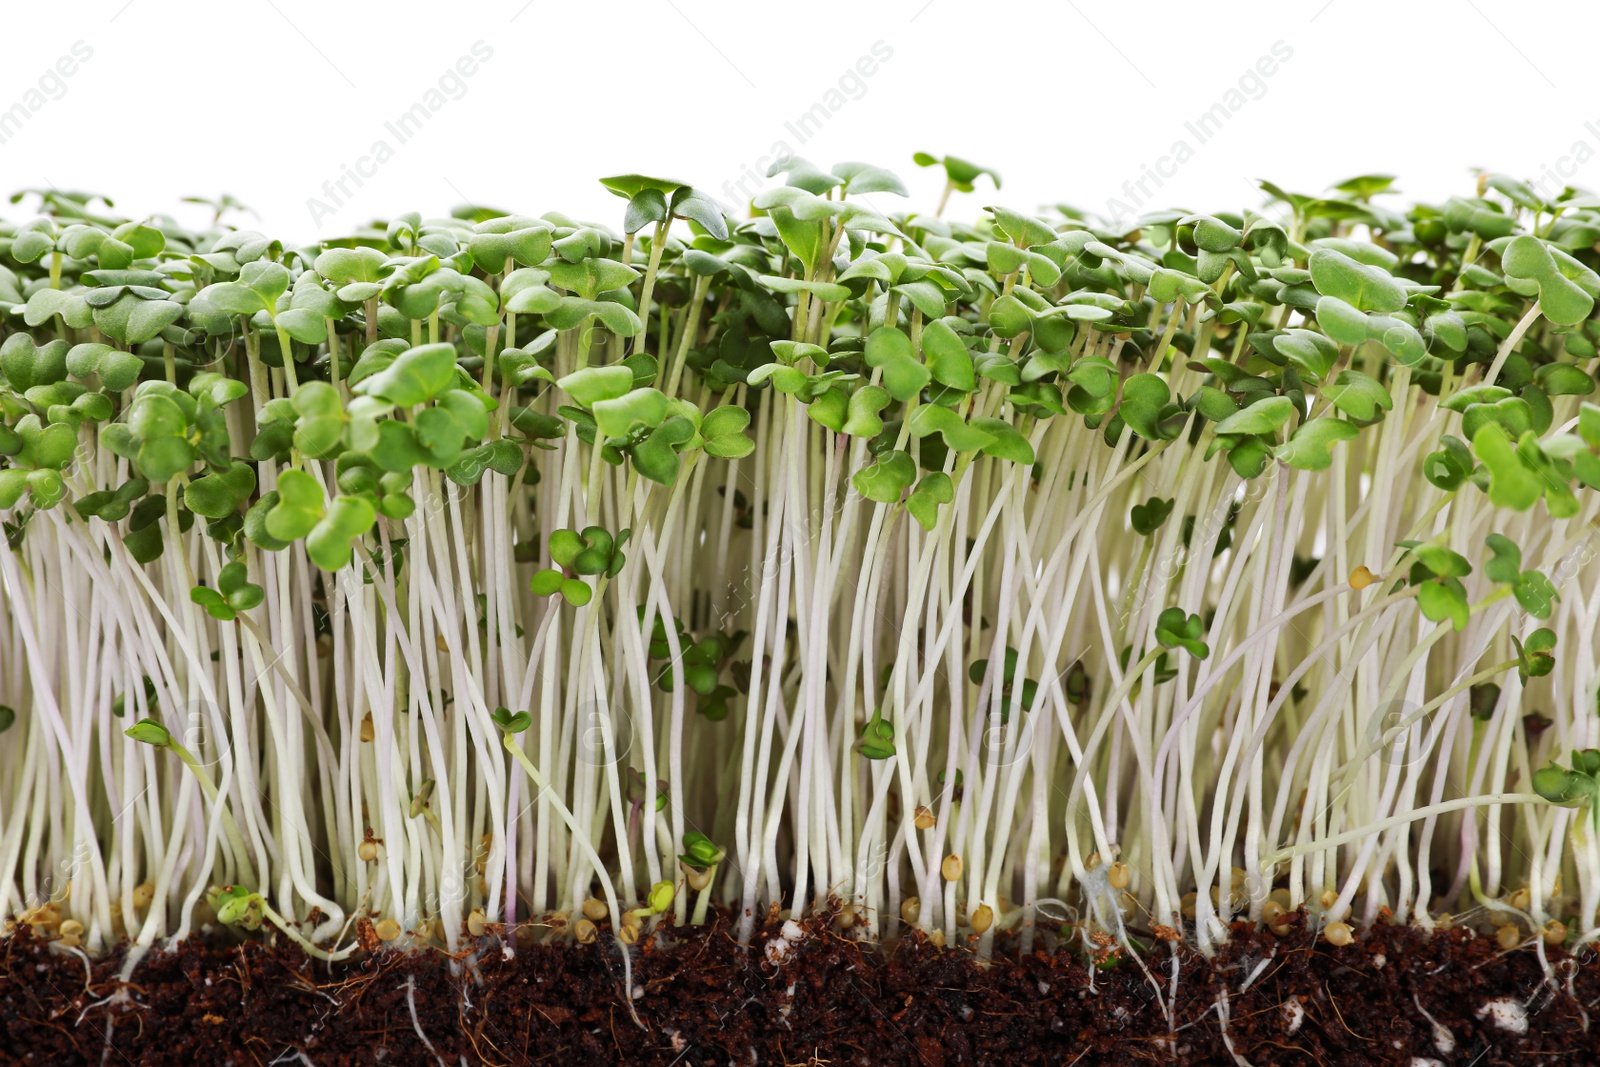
(1027, 581)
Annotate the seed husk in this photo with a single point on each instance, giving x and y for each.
(1338, 934)
(951, 867)
(386, 929)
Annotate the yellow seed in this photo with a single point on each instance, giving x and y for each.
(1273, 914)
(387, 929)
(1092, 862)
(1282, 897)
(1338, 934)
(696, 878)
(368, 731)
(475, 922)
(937, 938)
(1520, 899)
(1360, 578)
(143, 894)
(585, 932)
(982, 919)
(1127, 905)
(1117, 875)
(67, 941)
(1554, 932)
(594, 909)
(910, 910)
(439, 641)
(1186, 905)
(1445, 921)
(924, 819)
(951, 867)
(368, 851)
(71, 928)
(1509, 936)
(846, 917)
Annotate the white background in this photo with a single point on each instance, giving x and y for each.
(1067, 100)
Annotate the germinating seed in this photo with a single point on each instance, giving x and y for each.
(812, 448)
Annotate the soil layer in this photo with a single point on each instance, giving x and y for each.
(1393, 997)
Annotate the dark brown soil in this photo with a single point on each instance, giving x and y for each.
(828, 1002)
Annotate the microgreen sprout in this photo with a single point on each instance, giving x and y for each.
(958, 571)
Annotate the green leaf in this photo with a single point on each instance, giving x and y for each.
(1511, 484)
(958, 434)
(1143, 398)
(876, 741)
(1148, 517)
(886, 478)
(594, 384)
(299, 507)
(1358, 396)
(637, 407)
(948, 360)
(329, 544)
(1506, 564)
(1567, 289)
(1265, 416)
(1310, 447)
(890, 350)
(1174, 629)
(149, 732)
(1363, 286)
(415, 377)
(1008, 443)
(1444, 600)
(923, 503)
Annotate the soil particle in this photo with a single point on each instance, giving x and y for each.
(1395, 996)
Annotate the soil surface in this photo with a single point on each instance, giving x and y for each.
(1393, 997)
